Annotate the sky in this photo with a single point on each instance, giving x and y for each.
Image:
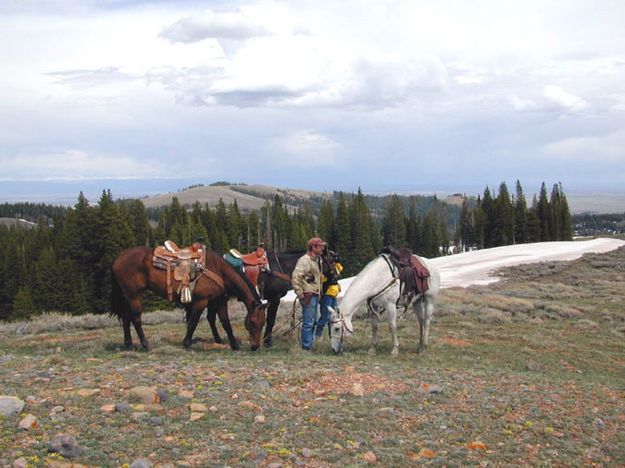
(389, 96)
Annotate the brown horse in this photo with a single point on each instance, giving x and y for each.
(133, 273)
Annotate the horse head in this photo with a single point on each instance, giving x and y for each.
(340, 329)
(254, 323)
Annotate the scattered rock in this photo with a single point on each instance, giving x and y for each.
(357, 389)
(109, 408)
(196, 416)
(88, 392)
(430, 388)
(123, 407)
(29, 422)
(20, 463)
(251, 405)
(370, 458)
(163, 395)
(188, 394)
(155, 421)
(141, 463)
(31, 400)
(10, 406)
(213, 409)
(57, 410)
(66, 445)
(260, 419)
(139, 415)
(146, 395)
(198, 407)
(307, 453)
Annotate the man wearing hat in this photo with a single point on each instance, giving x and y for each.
(306, 282)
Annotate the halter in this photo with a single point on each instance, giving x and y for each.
(340, 320)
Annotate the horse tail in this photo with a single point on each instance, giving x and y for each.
(119, 305)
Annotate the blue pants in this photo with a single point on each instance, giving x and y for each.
(309, 320)
(324, 319)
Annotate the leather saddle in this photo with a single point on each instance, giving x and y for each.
(413, 275)
(250, 264)
(186, 264)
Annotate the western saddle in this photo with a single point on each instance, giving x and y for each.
(413, 275)
(186, 263)
(251, 264)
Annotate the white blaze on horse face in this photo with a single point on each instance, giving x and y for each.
(336, 330)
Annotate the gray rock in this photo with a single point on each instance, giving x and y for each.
(307, 453)
(163, 395)
(141, 463)
(20, 463)
(155, 421)
(66, 445)
(10, 406)
(123, 407)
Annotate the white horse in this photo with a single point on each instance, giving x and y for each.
(377, 286)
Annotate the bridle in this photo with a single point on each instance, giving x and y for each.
(340, 319)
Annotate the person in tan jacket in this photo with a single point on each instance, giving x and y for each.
(306, 282)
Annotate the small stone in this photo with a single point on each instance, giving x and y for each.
(139, 415)
(57, 410)
(66, 445)
(213, 409)
(163, 395)
(260, 419)
(196, 416)
(146, 395)
(20, 463)
(123, 407)
(198, 407)
(307, 453)
(108, 408)
(31, 400)
(141, 463)
(357, 389)
(155, 421)
(29, 422)
(251, 405)
(188, 394)
(370, 458)
(88, 392)
(10, 406)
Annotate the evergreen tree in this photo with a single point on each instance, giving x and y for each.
(488, 209)
(413, 227)
(326, 222)
(467, 226)
(394, 223)
(565, 217)
(342, 231)
(23, 305)
(520, 216)
(542, 211)
(361, 251)
(503, 225)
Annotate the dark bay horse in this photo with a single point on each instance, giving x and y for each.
(275, 283)
(133, 273)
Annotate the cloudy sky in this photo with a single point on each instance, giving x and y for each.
(386, 95)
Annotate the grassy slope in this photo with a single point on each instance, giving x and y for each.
(531, 369)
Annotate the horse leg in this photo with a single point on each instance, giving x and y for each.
(375, 323)
(428, 312)
(272, 312)
(127, 336)
(420, 311)
(392, 322)
(211, 316)
(222, 310)
(194, 312)
(136, 308)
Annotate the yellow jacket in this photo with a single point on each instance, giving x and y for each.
(334, 289)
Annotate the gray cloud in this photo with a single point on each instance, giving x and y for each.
(84, 78)
(228, 25)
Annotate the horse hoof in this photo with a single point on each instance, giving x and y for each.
(254, 348)
(268, 343)
(395, 352)
(129, 347)
(372, 352)
(219, 341)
